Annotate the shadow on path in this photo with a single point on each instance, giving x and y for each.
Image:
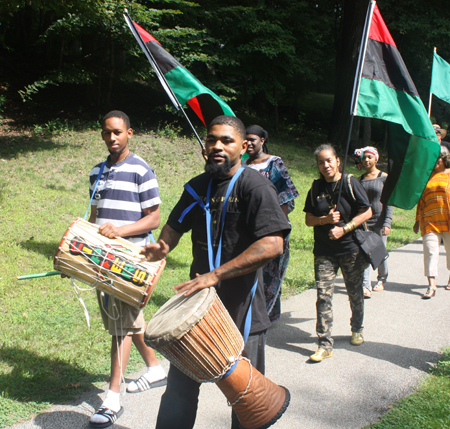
(66, 419)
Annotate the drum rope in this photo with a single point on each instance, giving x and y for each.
(248, 385)
(119, 350)
(86, 313)
(195, 345)
(94, 276)
(113, 305)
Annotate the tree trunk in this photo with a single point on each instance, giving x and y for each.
(275, 97)
(112, 69)
(61, 54)
(352, 25)
(246, 102)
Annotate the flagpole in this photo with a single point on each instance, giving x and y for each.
(361, 56)
(159, 73)
(356, 85)
(431, 94)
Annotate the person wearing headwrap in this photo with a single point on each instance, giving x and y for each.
(441, 133)
(373, 181)
(273, 168)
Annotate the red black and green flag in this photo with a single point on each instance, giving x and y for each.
(181, 86)
(384, 89)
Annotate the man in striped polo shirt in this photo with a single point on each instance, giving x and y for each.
(125, 204)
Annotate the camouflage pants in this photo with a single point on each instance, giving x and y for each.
(352, 266)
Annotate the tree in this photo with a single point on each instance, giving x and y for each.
(81, 42)
(352, 24)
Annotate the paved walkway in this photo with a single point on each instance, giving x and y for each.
(403, 336)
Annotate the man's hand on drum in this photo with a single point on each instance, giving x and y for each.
(155, 251)
(109, 230)
(200, 282)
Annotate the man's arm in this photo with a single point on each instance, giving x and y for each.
(148, 223)
(255, 256)
(167, 241)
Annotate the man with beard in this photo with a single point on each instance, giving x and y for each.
(253, 233)
(125, 204)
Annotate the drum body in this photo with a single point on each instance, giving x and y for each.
(198, 336)
(109, 264)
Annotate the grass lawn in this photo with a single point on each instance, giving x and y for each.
(47, 354)
(428, 408)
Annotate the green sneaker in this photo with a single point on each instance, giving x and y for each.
(357, 338)
(321, 354)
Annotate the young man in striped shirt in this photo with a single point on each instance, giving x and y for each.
(125, 204)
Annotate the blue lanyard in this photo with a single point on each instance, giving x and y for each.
(215, 262)
(95, 188)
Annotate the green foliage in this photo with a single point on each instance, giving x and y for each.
(442, 368)
(28, 92)
(262, 56)
(2, 103)
(170, 131)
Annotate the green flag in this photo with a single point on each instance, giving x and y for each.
(386, 91)
(440, 78)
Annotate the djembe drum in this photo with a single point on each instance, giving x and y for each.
(198, 336)
(112, 265)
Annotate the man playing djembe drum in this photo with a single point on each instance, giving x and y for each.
(125, 204)
(253, 232)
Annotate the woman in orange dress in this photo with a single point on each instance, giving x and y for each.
(433, 219)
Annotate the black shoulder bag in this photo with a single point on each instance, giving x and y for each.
(370, 243)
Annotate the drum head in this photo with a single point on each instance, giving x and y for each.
(177, 316)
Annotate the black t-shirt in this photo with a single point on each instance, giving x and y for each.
(324, 201)
(253, 212)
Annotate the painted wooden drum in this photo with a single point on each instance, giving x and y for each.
(112, 265)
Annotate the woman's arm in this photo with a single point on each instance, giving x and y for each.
(339, 231)
(332, 217)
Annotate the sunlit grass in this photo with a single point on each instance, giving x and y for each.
(428, 408)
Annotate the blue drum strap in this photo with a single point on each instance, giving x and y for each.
(95, 188)
(248, 323)
(215, 262)
(197, 199)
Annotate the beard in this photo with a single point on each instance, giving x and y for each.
(218, 171)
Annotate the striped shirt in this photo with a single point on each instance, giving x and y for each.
(123, 191)
(434, 206)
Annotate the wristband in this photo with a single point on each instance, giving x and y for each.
(348, 227)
